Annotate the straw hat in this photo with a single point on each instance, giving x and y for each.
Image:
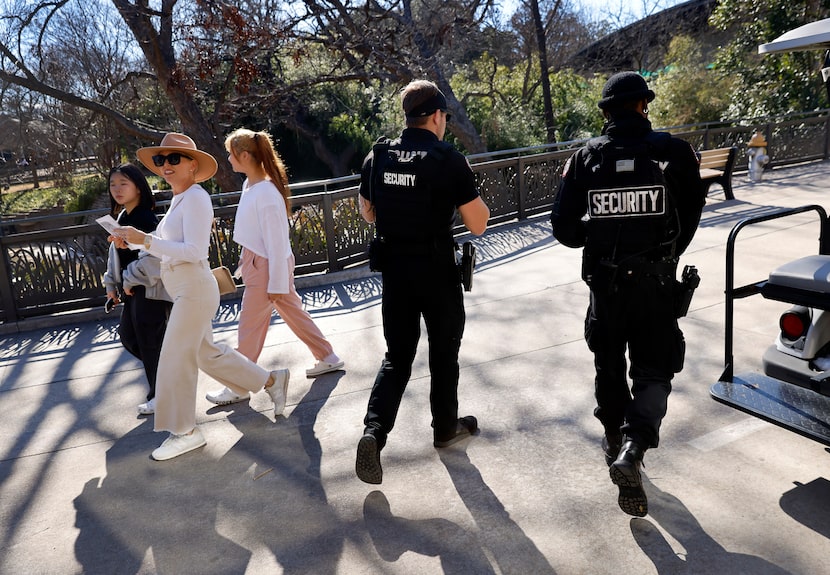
(174, 142)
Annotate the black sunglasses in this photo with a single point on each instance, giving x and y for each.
(173, 159)
(449, 116)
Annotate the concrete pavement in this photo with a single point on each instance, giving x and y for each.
(529, 495)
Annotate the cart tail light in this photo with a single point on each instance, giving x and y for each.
(794, 324)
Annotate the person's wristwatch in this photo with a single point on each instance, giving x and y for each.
(148, 240)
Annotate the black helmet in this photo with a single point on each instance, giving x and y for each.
(624, 87)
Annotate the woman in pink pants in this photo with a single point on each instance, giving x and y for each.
(267, 262)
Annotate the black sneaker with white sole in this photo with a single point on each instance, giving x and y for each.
(367, 466)
(464, 427)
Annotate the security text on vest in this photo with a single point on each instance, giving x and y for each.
(619, 202)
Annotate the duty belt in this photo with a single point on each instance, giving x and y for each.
(400, 247)
(641, 267)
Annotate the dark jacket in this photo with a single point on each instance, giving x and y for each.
(680, 171)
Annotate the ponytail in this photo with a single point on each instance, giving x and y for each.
(262, 147)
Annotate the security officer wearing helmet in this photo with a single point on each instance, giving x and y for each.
(632, 199)
(411, 188)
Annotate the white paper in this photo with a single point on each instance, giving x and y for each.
(108, 223)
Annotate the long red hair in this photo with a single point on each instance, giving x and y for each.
(261, 147)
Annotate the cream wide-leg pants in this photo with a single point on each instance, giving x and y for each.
(188, 347)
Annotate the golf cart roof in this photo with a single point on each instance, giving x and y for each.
(812, 36)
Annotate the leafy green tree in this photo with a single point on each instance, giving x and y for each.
(502, 102)
(575, 104)
(687, 91)
(505, 103)
(774, 83)
(328, 128)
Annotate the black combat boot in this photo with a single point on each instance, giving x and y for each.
(625, 473)
(611, 445)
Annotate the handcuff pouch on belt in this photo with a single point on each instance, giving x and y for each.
(604, 277)
(382, 249)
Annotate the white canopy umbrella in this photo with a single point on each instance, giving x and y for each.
(812, 36)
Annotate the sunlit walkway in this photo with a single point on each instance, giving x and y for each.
(529, 495)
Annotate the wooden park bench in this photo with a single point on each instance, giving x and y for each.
(716, 168)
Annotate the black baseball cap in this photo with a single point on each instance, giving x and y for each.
(435, 102)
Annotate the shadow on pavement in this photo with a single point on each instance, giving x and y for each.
(140, 518)
(703, 553)
(195, 514)
(737, 210)
(498, 539)
(499, 534)
(456, 548)
(809, 504)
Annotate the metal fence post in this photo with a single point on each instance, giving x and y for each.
(826, 137)
(6, 289)
(328, 222)
(521, 188)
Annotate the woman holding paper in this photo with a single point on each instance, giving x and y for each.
(137, 274)
(181, 241)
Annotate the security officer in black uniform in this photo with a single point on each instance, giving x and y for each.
(632, 198)
(410, 188)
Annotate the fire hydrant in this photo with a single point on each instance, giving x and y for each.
(757, 154)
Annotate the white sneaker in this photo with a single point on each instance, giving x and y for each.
(279, 391)
(147, 408)
(225, 397)
(176, 445)
(322, 367)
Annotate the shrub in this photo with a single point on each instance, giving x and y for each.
(88, 190)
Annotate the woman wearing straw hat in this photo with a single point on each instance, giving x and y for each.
(181, 241)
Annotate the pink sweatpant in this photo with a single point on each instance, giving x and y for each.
(255, 316)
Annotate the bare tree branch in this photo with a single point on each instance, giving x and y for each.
(130, 126)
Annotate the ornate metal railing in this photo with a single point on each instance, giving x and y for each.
(55, 263)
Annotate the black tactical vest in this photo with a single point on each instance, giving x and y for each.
(631, 212)
(403, 195)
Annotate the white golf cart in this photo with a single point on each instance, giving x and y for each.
(794, 389)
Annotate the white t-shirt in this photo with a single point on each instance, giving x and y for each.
(183, 235)
(261, 225)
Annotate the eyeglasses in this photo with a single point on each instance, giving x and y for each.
(173, 159)
(448, 115)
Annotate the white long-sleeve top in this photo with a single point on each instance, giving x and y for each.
(261, 225)
(183, 235)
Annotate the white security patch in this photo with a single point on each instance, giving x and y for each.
(395, 179)
(625, 166)
(625, 202)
